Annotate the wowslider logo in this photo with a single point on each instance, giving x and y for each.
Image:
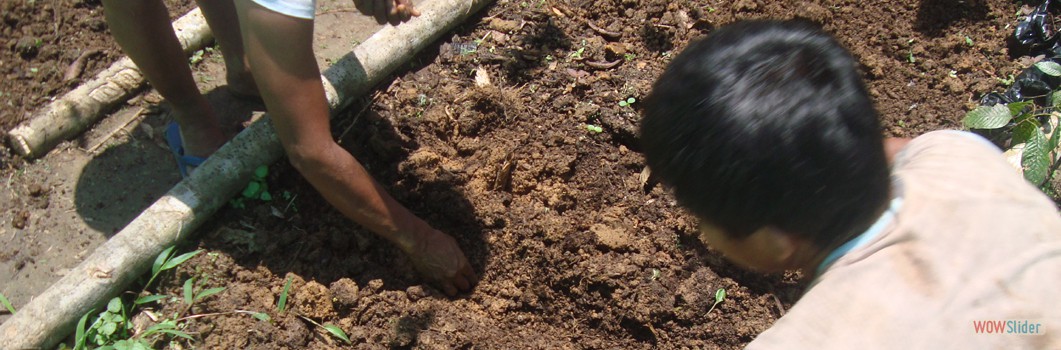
(1020, 327)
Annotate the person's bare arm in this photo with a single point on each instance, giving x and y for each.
(280, 52)
(892, 146)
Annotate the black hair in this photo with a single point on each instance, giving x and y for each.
(767, 123)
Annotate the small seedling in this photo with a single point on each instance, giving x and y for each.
(577, 55)
(7, 304)
(629, 57)
(333, 329)
(968, 41)
(164, 262)
(281, 305)
(952, 74)
(191, 297)
(910, 57)
(196, 57)
(627, 102)
(720, 296)
(594, 128)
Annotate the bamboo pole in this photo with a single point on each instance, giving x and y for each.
(82, 107)
(52, 315)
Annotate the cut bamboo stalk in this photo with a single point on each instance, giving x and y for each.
(78, 109)
(52, 315)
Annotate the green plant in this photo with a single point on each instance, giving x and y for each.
(594, 128)
(627, 102)
(256, 188)
(111, 328)
(333, 329)
(1026, 123)
(190, 297)
(968, 41)
(281, 304)
(720, 296)
(7, 304)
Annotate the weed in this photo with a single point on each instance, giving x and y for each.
(256, 188)
(720, 296)
(333, 329)
(7, 304)
(190, 297)
(594, 128)
(629, 57)
(1006, 81)
(196, 57)
(968, 41)
(577, 55)
(281, 304)
(111, 328)
(627, 102)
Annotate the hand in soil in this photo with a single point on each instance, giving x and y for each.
(439, 259)
(388, 11)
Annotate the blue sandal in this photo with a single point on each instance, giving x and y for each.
(176, 145)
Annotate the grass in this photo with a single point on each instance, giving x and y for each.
(281, 304)
(7, 304)
(112, 328)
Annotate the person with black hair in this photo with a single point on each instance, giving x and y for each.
(765, 132)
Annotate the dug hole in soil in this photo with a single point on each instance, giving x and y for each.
(485, 136)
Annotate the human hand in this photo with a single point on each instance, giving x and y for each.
(388, 11)
(438, 258)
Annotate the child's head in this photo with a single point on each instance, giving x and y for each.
(766, 133)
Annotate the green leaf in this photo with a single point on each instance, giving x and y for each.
(631, 100)
(337, 332)
(208, 292)
(1015, 108)
(1054, 139)
(149, 299)
(115, 305)
(180, 259)
(108, 328)
(720, 295)
(1036, 160)
(161, 260)
(157, 328)
(1024, 131)
(261, 172)
(7, 304)
(252, 189)
(176, 333)
(1050, 68)
(79, 333)
(281, 304)
(1055, 99)
(266, 196)
(261, 316)
(594, 128)
(985, 117)
(140, 344)
(623, 103)
(188, 290)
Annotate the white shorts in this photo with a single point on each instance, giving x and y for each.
(294, 8)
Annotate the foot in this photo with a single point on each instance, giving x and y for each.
(200, 131)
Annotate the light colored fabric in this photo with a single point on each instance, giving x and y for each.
(972, 242)
(294, 8)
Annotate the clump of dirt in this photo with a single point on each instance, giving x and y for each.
(43, 40)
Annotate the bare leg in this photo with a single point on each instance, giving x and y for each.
(221, 15)
(280, 51)
(143, 30)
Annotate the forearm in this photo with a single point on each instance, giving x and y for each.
(344, 183)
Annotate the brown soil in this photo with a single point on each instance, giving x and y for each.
(575, 249)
